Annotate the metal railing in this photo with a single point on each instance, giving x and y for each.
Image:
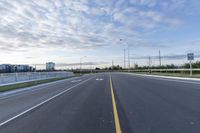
(164, 70)
(9, 78)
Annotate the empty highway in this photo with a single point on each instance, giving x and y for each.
(104, 103)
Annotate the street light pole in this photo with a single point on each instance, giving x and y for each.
(128, 52)
(149, 64)
(128, 59)
(124, 58)
(81, 63)
(159, 58)
(35, 68)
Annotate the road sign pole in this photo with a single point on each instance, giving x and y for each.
(190, 57)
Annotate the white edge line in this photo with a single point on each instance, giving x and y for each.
(176, 79)
(170, 77)
(49, 99)
(11, 93)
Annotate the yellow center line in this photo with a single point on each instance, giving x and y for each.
(116, 117)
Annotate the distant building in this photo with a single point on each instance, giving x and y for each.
(4, 68)
(23, 68)
(7, 68)
(12, 68)
(50, 66)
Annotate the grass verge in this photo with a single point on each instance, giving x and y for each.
(27, 84)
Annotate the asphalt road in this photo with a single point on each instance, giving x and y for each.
(99, 104)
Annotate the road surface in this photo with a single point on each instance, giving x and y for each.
(104, 103)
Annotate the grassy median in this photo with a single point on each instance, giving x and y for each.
(27, 84)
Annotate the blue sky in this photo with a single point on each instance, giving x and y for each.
(63, 31)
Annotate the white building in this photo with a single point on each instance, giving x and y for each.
(50, 66)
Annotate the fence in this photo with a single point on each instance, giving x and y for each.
(9, 78)
(165, 70)
(184, 72)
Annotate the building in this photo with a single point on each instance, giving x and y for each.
(7, 68)
(12, 68)
(4, 68)
(50, 66)
(23, 68)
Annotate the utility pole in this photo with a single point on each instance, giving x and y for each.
(90, 68)
(112, 64)
(81, 63)
(149, 64)
(127, 55)
(159, 58)
(124, 58)
(128, 59)
(35, 67)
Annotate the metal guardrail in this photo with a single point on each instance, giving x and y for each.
(9, 78)
(163, 70)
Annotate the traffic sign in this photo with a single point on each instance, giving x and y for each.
(190, 56)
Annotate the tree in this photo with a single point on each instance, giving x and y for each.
(97, 68)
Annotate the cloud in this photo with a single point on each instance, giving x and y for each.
(149, 3)
(166, 57)
(76, 64)
(80, 24)
(145, 19)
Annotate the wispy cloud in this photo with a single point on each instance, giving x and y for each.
(82, 24)
(76, 64)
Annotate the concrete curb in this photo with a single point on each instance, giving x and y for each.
(167, 77)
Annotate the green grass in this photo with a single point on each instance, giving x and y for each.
(27, 84)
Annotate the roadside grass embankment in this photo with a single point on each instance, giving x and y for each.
(28, 84)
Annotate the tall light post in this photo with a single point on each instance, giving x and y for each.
(128, 59)
(35, 67)
(81, 63)
(159, 58)
(124, 58)
(128, 52)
